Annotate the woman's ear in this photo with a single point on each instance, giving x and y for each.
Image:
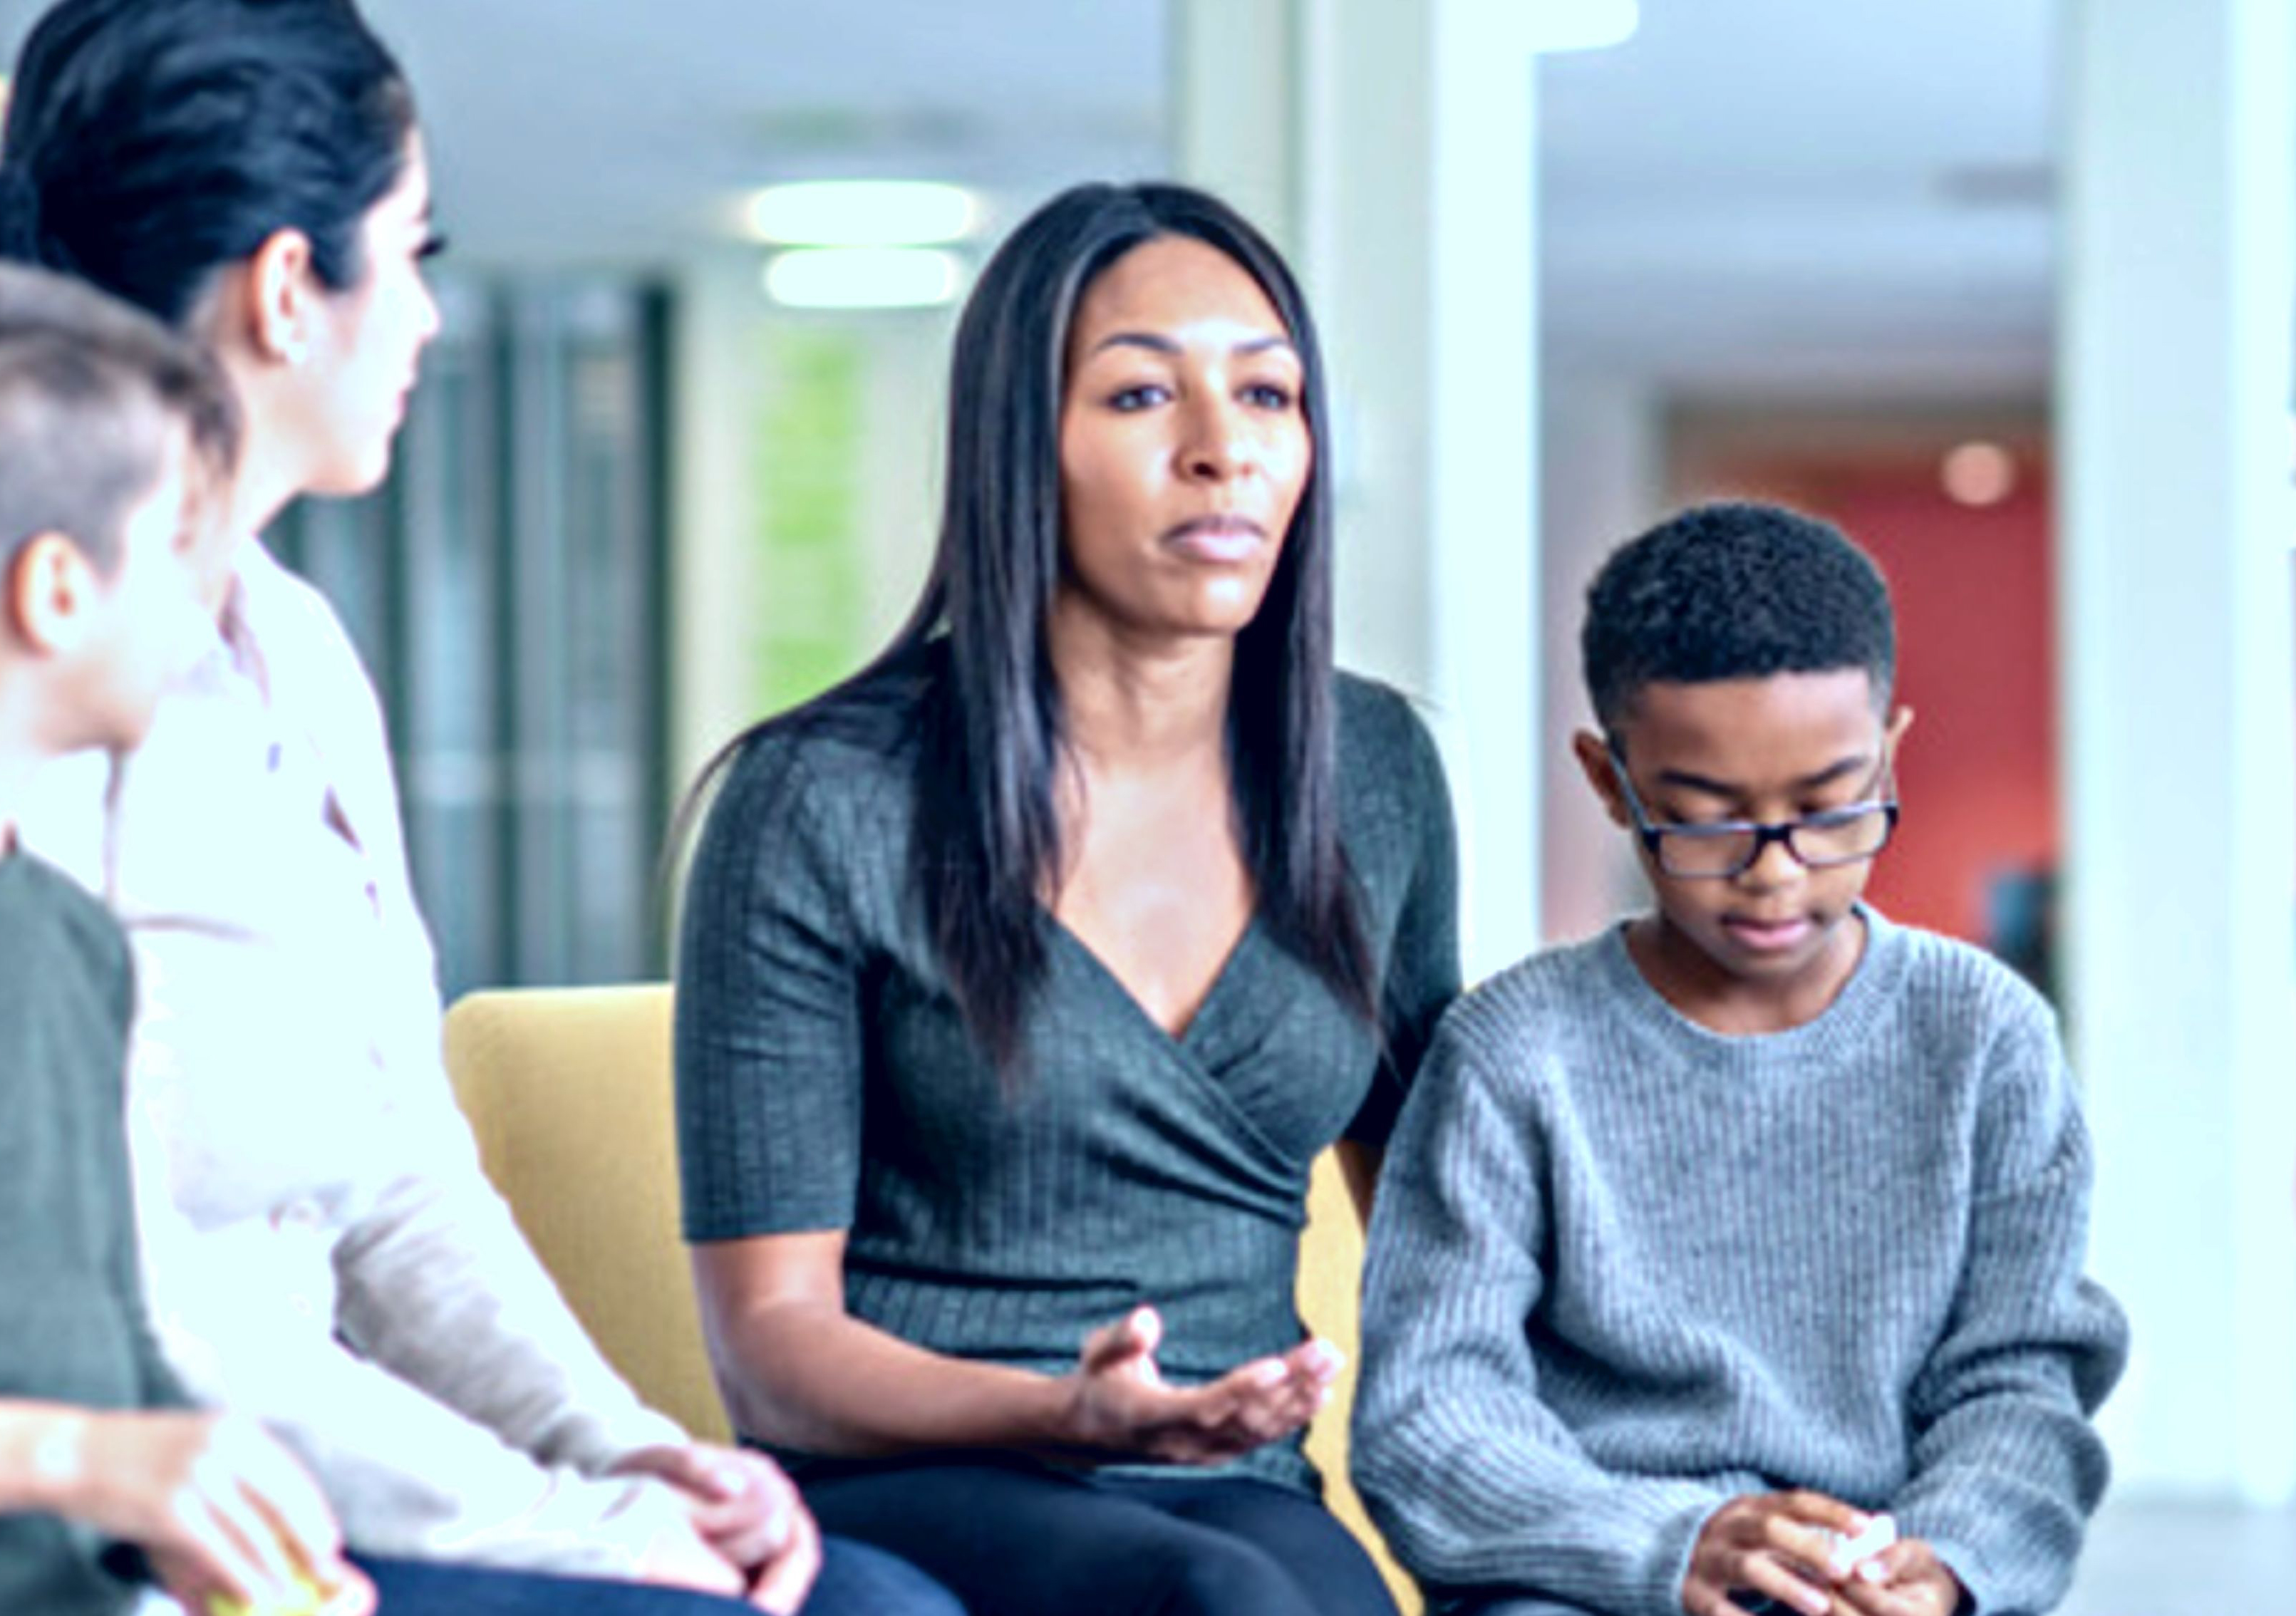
(1593, 755)
(51, 583)
(280, 295)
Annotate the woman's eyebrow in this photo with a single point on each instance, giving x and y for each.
(1157, 342)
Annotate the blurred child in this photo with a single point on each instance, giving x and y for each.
(1704, 1243)
(111, 433)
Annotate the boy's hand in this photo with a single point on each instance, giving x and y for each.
(1773, 1545)
(1121, 1404)
(220, 1509)
(1905, 1579)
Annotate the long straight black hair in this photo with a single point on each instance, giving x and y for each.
(987, 833)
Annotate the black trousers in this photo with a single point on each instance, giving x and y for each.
(1012, 1538)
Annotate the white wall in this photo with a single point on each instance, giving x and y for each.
(1605, 481)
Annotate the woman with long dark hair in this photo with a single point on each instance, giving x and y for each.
(252, 172)
(1025, 975)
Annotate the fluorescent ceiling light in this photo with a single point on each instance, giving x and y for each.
(1580, 25)
(864, 213)
(862, 277)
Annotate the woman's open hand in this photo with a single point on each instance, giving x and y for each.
(1120, 1406)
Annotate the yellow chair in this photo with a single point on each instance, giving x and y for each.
(568, 1092)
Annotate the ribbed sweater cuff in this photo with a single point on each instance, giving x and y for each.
(1670, 1561)
(1980, 1588)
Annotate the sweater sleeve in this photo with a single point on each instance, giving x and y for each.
(1474, 1480)
(2007, 1465)
(769, 1036)
(437, 1284)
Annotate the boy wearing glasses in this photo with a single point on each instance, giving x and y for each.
(1732, 1261)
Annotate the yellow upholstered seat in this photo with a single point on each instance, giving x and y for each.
(569, 1091)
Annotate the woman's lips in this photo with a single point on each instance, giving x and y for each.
(1226, 540)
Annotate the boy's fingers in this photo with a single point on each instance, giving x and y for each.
(214, 1557)
(354, 1595)
(292, 1514)
(1817, 1509)
(1807, 1548)
(253, 1533)
(1904, 1556)
(1774, 1579)
(293, 1508)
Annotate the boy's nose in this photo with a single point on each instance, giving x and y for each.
(1773, 866)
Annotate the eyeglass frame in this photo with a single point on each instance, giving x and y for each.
(1781, 831)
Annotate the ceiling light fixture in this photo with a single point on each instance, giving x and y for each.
(862, 277)
(863, 213)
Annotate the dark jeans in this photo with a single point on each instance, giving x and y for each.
(1015, 1539)
(856, 1580)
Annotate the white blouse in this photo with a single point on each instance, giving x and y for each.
(322, 1248)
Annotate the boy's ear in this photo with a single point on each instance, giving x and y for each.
(1593, 755)
(1900, 721)
(50, 586)
(279, 292)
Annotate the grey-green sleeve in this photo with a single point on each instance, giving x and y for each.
(1474, 1480)
(770, 1046)
(2007, 1466)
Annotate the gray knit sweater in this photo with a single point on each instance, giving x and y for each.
(1624, 1268)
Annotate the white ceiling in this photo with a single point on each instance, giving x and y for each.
(1751, 194)
(1808, 196)
(620, 129)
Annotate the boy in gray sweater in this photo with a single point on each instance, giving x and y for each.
(1715, 1253)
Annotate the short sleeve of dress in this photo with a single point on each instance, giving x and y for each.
(769, 1048)
(1421, 977)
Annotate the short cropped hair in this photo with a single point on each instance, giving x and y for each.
(1733, 590)
(89, 387)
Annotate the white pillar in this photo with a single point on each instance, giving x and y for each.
(2173, 408)
(718, 341)
(1388, 148)
(1604, 456)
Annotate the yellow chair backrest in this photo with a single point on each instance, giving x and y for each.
(569, 1091)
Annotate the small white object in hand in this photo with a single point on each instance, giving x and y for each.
(1849, 1552)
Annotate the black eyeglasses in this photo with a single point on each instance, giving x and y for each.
(1727, 848)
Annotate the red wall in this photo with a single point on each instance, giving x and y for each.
(1976, 662)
